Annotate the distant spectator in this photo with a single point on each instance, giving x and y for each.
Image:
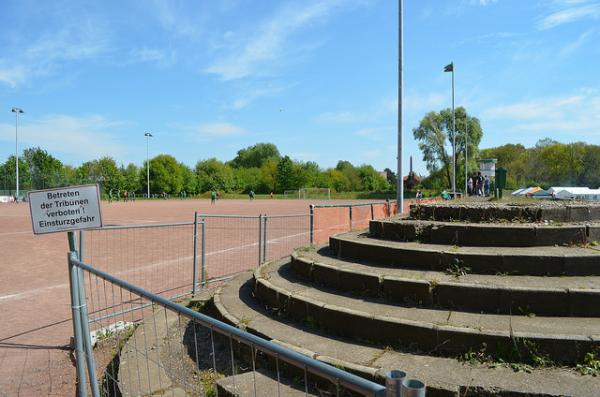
(419, 195)
(486, 186)
(213, 197)
(251, 194)
(469, 186)
(446, 195)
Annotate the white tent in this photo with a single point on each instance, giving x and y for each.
(575, 193)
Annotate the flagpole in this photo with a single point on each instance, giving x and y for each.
(453, 139)
(400, 181)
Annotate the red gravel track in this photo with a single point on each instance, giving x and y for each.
(34, 299)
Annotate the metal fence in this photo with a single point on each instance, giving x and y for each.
(133, 338)
(169, 349)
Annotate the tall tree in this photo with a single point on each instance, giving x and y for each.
(435, 135)
(255, 156)
(45, 169)
(285, 174)
(165, 175)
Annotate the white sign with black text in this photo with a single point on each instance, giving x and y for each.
(64, 209)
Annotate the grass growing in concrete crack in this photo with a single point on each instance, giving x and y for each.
(457, 268)
(525, 356)
(590, 365)
(109, 382)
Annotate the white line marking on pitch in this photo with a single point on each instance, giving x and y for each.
(11, 233)
(27, 293)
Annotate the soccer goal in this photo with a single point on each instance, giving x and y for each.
(291, 194)
(315, 193)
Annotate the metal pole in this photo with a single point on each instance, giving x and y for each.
(259, 239)
(466, 152)
(265, 238)
(312, 223)
(453, 139)
(85, 325)
(393, 383)
(350, 215)
(195, 259)
(372, 213)
(148, 165)
(16, 111)
(75, 313)
(399, 181)
(203, 262)
(17, 151)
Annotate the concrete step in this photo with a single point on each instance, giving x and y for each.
(445, 332)
(534, 261)
(530, 295)
(443, 376)
(487, 211)
(259, 383)
(485, 234)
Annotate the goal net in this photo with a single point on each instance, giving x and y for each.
(291, 194)
(315, 193)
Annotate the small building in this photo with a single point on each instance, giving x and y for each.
(488, 167)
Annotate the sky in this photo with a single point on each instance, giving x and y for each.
(317, 78)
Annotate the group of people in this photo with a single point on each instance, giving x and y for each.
(478, 185)
(126, 196)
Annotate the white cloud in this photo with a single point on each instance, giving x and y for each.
(573, 46)
(246, 98)
(382, 108)
(340, 117)
(267, 43)
(426, 102)
(574, 114)
(375, 133)
(12, 76)
(573, 13)
(152, 55)
(81, 137)
(42, 56)
(207, 131)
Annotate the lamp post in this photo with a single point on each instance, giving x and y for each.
(148, 136)
(466, 153)
(17, 111)
(400, 181)
(450, 68)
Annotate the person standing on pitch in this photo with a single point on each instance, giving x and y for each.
(213, 197)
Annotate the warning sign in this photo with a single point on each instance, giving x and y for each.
(63, 209)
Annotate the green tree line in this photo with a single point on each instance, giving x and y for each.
(260, 168)
(548, 163)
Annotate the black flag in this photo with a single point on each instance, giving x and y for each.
(449, 68)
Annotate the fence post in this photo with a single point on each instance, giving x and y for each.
(389, 207)
(350, 214)
(265, 238)
(312, 224)
(372, 213)
(203, 259)
(85, 325)
(259, 238)
(393, 383)
(75, 312)
(195, 260)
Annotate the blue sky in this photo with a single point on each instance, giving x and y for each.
(317, 78)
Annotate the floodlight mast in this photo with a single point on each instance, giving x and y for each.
(17, 111)
(399, 178)
(148, 136)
